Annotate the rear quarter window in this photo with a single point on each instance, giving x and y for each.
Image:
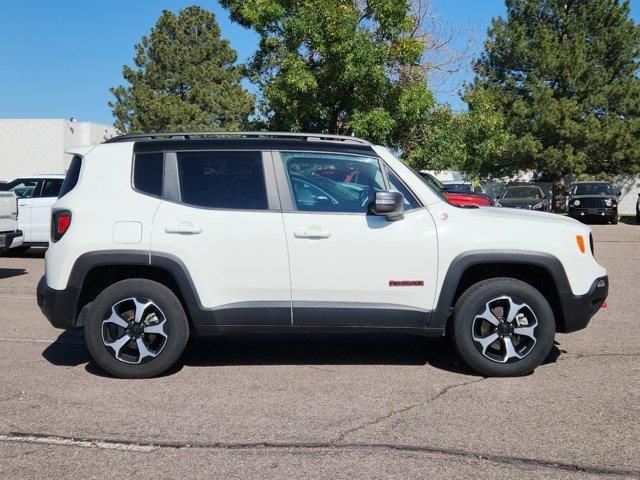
(71, 179)
(148, 170)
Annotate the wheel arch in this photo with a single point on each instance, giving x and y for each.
(540, 270)
(95, 271)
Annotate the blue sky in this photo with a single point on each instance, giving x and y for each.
(58, 59)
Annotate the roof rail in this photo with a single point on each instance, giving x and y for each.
(311, 137)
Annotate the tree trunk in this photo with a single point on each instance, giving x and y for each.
(559, 187)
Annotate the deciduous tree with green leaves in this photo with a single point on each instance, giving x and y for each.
(185, 78)
(565, 75)
(339, 66)
(473, 141)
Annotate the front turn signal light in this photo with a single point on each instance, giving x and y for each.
(581, 245)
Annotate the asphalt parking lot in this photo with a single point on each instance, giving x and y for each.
(318, 406)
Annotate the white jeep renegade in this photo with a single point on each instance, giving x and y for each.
(156, 237)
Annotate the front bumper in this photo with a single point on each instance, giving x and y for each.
(579, 309)
(59, 306)
(591, 213)
(11, 240)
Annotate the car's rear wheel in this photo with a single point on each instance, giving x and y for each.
(136, 328)
(503, 327)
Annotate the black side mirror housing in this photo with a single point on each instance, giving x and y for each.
(389, 204)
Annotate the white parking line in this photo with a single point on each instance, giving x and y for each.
(36, 340)
(67, 442)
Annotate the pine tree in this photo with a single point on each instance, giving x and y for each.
(185, 78)
(565, 75)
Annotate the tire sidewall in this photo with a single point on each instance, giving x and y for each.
(165, 299)
(475, 299)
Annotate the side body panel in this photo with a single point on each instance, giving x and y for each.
(40, 219)
(24, 217)
(366, 260)
(102, 198)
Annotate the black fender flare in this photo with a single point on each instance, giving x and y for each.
(169, 263)
(465, 260)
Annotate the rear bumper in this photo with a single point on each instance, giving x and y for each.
(59, 306)
(578, 310)
(10, 240)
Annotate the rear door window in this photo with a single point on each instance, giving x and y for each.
(217, 179)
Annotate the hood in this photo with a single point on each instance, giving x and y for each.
(513, 202)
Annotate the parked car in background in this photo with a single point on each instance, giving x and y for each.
(463, 187)
(460, 198)
(593, 201)
(10, 235)
(36, 194)
(221, 232)
(527, 197)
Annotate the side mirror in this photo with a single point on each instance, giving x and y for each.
(390, 204)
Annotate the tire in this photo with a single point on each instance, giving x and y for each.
(614, 220)
(473, 318)
(113, 320)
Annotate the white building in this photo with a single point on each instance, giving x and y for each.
(33, 146)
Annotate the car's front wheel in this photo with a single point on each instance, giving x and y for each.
(136, 328)
(503, 327)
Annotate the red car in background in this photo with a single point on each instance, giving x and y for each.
(462, 199)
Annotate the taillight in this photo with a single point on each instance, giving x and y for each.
(60, 223)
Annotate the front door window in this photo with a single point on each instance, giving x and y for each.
(323, 182)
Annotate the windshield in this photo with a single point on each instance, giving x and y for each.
(594, 189)
(23, 188)
(523, 192)
(458, 187)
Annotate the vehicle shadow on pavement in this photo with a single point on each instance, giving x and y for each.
(290, 349)
(11, 272)
(628, 220)
(33, 252)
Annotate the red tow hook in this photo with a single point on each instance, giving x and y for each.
(604, 305)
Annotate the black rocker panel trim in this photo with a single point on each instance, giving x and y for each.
(347, 314)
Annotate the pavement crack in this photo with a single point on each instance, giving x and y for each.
(340, 438)
(573, 356)
(452, 453)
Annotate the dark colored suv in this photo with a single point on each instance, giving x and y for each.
(593, 201)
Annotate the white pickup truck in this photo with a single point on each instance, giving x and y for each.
(35, 196)
(10, 236)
